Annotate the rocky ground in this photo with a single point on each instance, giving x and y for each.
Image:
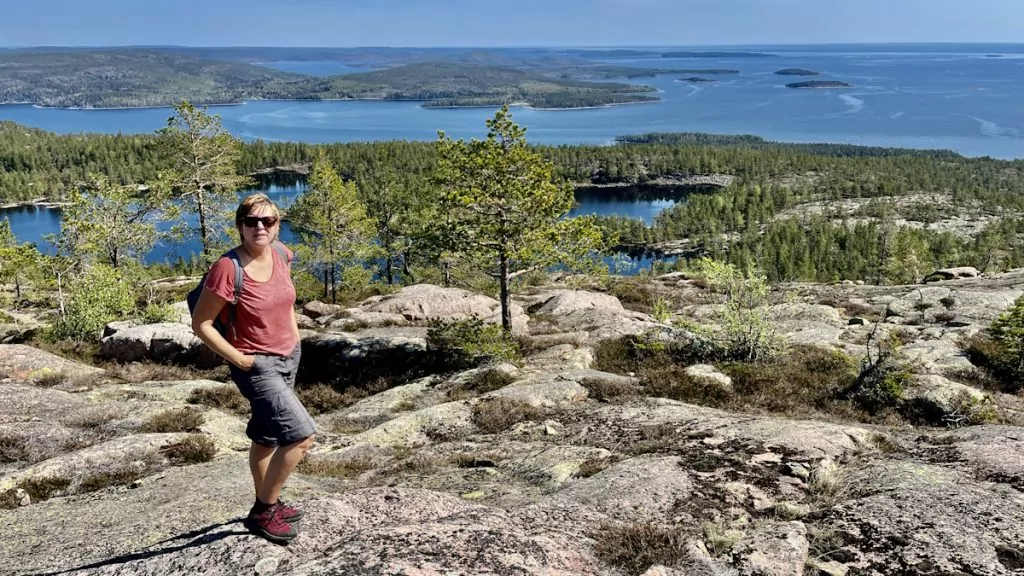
(544, 466)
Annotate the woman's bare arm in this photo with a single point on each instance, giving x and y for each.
(207, 309)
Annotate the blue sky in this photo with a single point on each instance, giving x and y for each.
(504, 22)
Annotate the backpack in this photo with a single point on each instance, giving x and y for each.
(220, 323)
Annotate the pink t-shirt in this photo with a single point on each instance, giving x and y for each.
(263, 316)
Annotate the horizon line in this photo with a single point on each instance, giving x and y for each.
(527, 46)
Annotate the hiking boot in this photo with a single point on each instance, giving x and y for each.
(271, 525)
(288, 513)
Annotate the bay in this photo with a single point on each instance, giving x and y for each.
(917, 97)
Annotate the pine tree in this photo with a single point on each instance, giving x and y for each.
(204, 175)
(507, 207)
(331, 223)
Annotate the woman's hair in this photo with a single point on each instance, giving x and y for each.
(252, 203)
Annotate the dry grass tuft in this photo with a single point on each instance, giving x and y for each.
(605, 390)
(348, 465)
(43, 488)
(499, 414)
(636, 547)
(13, 447)
(121, 476)
(194, 449)
(225, 398)
(95, 417)
(174, 420)
(322, 398)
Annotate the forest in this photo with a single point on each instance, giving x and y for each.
(756, 220)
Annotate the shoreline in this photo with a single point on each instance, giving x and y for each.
(37, 203)
(244, 102)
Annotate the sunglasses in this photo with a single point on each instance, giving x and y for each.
(268, 221)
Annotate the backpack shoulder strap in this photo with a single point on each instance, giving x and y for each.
(279, 248)
(239, 279)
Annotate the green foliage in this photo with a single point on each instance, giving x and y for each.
(332, 224)
(503, 207)
(96, 297)
(882, 379)
(156, 313)
(748, 333)
(462, 344)
(1000, 349)
(203, 175)
(109, 223)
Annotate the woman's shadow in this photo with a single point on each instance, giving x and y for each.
(198, 537)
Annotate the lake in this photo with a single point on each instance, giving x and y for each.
(32, 223)
(904, 96)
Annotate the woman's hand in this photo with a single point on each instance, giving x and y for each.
(245, 362)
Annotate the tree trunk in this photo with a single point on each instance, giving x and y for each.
(334, 284)
(201, 205)
(406, 271)
(325, 282)
(506, 308)
(388, 265)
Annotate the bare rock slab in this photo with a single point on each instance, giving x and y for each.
(23, 362)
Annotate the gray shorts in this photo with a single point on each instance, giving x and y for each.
(278, 418)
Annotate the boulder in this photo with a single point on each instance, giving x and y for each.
(568, 301)
(170, 342)
(27, 363)
(356, 319)
(914, 516)
(305, 322)
(604, 324)
(424, 302)
(952, 274)
(711, 374)
(359, 355)
(941, 397)
(316, 309)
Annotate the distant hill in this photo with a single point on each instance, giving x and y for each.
(796, 72)
(820, 84)
(134, 78)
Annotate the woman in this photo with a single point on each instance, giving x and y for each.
(262, 348)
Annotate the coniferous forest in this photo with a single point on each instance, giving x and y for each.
(815, 212)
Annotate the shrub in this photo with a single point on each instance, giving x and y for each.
(42, 488)
(1001, 348)
(482, 382)
(635, 547)
(174, 420)
(635, 294)
(94, 417)
(463, 344)
(673, 382)
(225, 398)
(193, 449)
(498, 414)
(13, 447)
(51, 380)
(121, 476)
(948, 302)
(98, 296)
(604, 389)
(155, 313)
(322, 398)
(807, 381)
(748, 334)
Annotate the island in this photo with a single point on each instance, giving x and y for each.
(131, 78)
(820, 84)
(697, 80)
(604, 72)
(796, 72)
(696, 54)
